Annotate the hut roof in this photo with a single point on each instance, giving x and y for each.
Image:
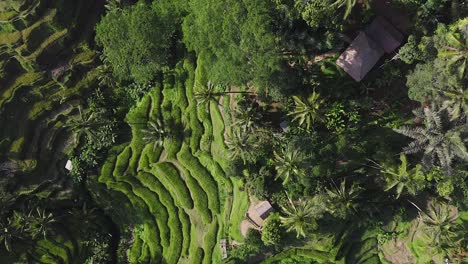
(359, 58)
(382, 32)
(367, 48)
(263, 209)
(69, 165)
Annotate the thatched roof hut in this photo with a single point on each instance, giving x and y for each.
(368, 47)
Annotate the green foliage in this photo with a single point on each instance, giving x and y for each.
(300, 216)
(149, 33)
(340, 118)
(307, 112)
(414, 51)
(272, 232)
(256, 183)
(403, 178)
(341, 200)
(290, 163)
(319, 14)
(243, 145)
(154, 134)
(242, 48)
(252, 246)
(439, 144)
(440, 225)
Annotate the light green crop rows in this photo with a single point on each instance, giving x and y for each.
(181, 189)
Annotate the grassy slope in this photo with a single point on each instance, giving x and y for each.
(184, 189)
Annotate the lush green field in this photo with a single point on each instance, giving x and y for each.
(185, 192)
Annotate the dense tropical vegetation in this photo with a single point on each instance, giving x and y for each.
(177, 115)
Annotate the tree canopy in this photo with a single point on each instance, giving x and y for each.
(136, 40)
(239, 45)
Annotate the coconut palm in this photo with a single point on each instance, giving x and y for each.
(307, 112)
(290, 163)
(7, 235)
(436, 142)
(341, 199)
(403, 178)
(248, 118)
(40, 222)
(154, 134)
(439, 224)
(455, 47)
(456, 102)
(348, 4)
(86, 124)
(210, 94)
(298, 216)
(241, 145)
(13, 229)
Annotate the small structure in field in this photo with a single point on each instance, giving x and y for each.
(59, 70)
(223, 245)
(257, 213)
(368, 47)
(69, 165)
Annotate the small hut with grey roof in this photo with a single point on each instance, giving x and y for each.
(368, 47)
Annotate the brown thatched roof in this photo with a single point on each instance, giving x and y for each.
(367, 48)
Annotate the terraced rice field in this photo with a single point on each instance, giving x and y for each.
(34, 107)
(181, 188)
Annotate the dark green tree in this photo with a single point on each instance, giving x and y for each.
(136, 41)
(234, 40)
(272, 232)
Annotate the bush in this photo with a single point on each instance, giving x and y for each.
(272, 232)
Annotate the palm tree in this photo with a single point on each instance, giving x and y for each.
(7, 234)
(341, 200)
(290, 163)
(439, 224)
(113, 5)
(349, 4)
(455, 47)
(248, 118)
(402, 177)
(40, 222)
(435, 141)
(210, 94)
(154, 134)
(13, 229)
(298, 216)
(307, 112)
(86, 124)
(241, 145)
(456, 102)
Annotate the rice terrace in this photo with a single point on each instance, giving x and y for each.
(228, 131)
